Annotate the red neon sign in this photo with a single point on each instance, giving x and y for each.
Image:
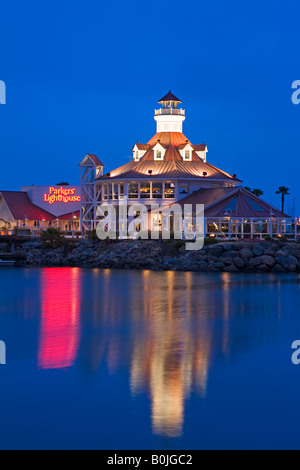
(64, 195)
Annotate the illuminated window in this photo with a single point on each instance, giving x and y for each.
(133, 190)
(158, 155)
(145, 190)
(169, 190)
(156, 190)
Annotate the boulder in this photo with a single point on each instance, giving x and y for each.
(202, 266)
(239, 262)
(227, 260)
(254, 262)
(231, 269)
(289, 263)
(214, 250)
(246, 253)
(257, 250)
(267, 260)
(278, 269)
(219, 265)
(269, 252)
(262, 268)
(281, 253)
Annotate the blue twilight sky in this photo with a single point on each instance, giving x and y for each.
(85, 77)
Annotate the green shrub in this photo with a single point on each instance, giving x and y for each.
(52, 237)
(211, 241)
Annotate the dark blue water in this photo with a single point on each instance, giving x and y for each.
(142, 360)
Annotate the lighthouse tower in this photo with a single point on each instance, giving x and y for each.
(169, 118)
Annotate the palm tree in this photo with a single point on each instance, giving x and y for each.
(257, 192)
(52, 237)
(284, 191)
(247, 188)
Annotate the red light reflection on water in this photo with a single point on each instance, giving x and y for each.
(59, 332)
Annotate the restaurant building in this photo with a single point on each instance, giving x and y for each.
(170, 169)
(36, 208)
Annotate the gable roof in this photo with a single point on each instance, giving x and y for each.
(200, 148)
(141, 146)
(183, 146)
(21, 206)
(164, 146)
(169, 97)
(238, 202)
(92, 157)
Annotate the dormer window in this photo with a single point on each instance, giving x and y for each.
(159, 152)
(201, 151)
(139, 151)
(186, 152)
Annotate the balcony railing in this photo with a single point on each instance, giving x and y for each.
(169, 111)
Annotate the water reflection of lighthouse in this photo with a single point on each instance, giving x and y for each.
(59, 333)
(168, 357)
